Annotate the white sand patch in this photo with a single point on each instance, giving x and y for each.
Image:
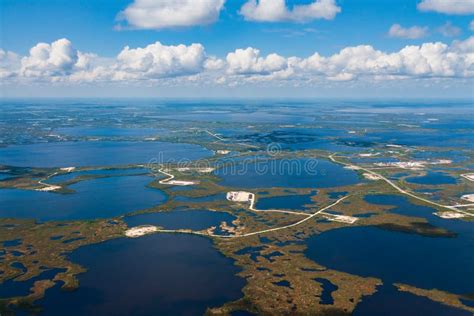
(368, 154)
(340, 218)
(449, 215)
(441, 162)
(68, 169)
(352, 167)
(170, 180)
(239, 196)
(370, 176)
(468, 197)
(181, 182)
(222, 152)
(182, 169)
(138, 231)
(205, 170)
(468, 176)
(49, 188)
(413, 165)
(408, 125)
(200, 170)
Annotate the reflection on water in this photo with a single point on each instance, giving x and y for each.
(390, 302)
(100, 153)
(11, 288)
(95, 198)
(433, 178)
(96, 172)
(152, 275)
(108, 131)
(424, 262)
(292, 173)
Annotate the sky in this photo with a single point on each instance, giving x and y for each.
(237, 48)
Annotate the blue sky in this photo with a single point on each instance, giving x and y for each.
(92, 27)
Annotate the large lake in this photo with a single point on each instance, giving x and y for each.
(95, 198)
(425, 262)
(153, 275)
(291, 173)
(80, 154)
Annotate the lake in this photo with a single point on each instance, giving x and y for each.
(433, 178)
(291, 173)
(153, 275)
(108, 131)
(95, 198)
(96, 172)
(100, 153)
(425, 262)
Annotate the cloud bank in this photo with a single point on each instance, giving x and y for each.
(159, 64)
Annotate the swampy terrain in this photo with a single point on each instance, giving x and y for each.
(236, 208)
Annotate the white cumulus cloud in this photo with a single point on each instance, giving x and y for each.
(49, 60)
(414, 32)
(168, 65)
(458, 7)
(159, 61)
(249, 61)
(276, 10)
(159, 14)
(426, 60)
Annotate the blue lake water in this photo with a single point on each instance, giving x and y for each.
(4, 176)
(178, 219)
(177, 274)
(293, 173)
(324, 144)
(424, 262)
(305, 138)
(107, 131)
(80, 154)
(292, 202)
(106, 172)
(328, 288)
(401, 205)
(433, 178)
(11, 288)
(388, 301)
(454, 155)
(95, 198)
(254, 117)
(437, 138)
(153, 275)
